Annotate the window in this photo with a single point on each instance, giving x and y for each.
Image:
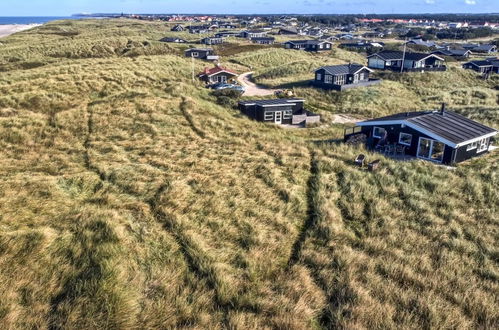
(379, 132)
(431, 150)
(328, 46)
(405, 139)
(362, 76)
(287, 114)
(339, 80)
(194, 54)
(472, 146)
(268, 115)
(328, 79)
(483, 145)
(318, 76)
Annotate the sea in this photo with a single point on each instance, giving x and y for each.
(32, 20)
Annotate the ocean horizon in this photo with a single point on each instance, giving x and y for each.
(32, 19)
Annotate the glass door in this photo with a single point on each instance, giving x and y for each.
(431, 149)
(278, 117)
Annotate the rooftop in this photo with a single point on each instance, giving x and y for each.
(272, 102)
(343, 69)
(447, 125)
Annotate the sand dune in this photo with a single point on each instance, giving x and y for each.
(8, 29)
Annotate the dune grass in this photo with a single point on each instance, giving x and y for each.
(130, 199)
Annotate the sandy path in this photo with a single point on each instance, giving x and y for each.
(253, 89)
(344, 119)
(8, 29)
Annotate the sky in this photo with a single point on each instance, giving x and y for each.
(68, 7)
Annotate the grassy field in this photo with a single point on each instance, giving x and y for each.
(131, 199)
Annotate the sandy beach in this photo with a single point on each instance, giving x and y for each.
(8, 29)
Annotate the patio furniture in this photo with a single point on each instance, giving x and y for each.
(360, 159)
(374, 165)
(400, 149)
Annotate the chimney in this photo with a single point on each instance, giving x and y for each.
(442, 110)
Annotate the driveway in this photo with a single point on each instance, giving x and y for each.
(253, 89)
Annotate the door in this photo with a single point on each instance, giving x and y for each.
(278, 117)
(431, 150)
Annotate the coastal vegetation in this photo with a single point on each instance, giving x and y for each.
(131, 197)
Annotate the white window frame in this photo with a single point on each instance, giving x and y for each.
(328, 79)
(318, 77)
(374, 132)
(403, 143)
(268, 115)
(430, 150)
(340, 80)
(287, 114)
(472, 146)
(194, 54)
(483, 145)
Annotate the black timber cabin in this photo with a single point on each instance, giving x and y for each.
(309, 45)
(439, 136)
(410, 62)
(279, 111)
(201, 53)
(484, 66)
(341, 77)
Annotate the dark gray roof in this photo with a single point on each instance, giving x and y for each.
(342, 69)
(306, 42)
(271, 102)
(484, 48)
(263, 38)
(397, 55)
(450, 126)
(452, 52)
(480, 63)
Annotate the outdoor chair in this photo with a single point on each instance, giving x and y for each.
(360, 159)
(373, 166)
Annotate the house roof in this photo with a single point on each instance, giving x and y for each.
(272, 102)
(421, 42)
(306, 42)
(344, 69)
(217, 69)
(388, 55)
(199, 50)
(263, 38)
(484, 47)
(452, 52)
(480, 63)
(450, 128)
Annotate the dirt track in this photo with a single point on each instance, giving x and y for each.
(253, 89)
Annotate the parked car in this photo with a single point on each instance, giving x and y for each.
(220, 86)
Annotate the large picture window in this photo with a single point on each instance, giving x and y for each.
(405, 139)
(339, 80)
(379, 132)
(328, 79)
(431, 149)
(483, 145)
(268, 115)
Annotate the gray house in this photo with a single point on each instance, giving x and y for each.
(410, 62)
(309, 45)
(345, 76)
(263, 41)
(201, 53)
(279, 111)
(439, 136)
